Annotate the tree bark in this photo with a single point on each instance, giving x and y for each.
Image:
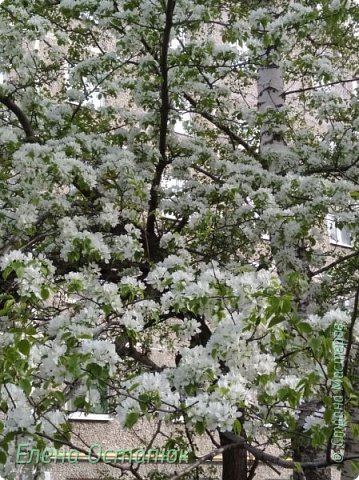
(234, 461)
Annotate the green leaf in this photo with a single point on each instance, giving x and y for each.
(25, 384)
(75, 286)
(237, 427)
(24, 346)
(2, 457)
(275, 320)
(200, 428)
(59, 396)
(19, 269)
(355, 430)
(97, 371)
(131, 419)
(80, 402)
(348, 386)
(7, 271)
(304, 327)
(355, 466)
(314, 343)
(7, 306)
(44, 292)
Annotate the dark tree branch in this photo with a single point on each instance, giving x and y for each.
(208, 174)
(162, 144)
(334, 264)
(179, 225)
(332, 168)
(223, 128)
(316, 87)
(23, 119)
(253, 469)
(259, 455)
(275, 460)
(165, 101)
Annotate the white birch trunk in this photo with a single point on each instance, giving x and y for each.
(270, 99)
(272, 148)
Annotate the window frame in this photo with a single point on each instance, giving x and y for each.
(341, 234)
(90, 417)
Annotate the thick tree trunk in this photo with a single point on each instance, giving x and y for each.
(234, 461)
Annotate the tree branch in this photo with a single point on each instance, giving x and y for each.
(24, 121)
(208, 174)
(316, 87)
(259, 455)
(334, 264)
(268, 458)
(332, 169)
(224, 128)
(164, 112)
(201, 460)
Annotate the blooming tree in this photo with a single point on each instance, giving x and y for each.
(167, 168)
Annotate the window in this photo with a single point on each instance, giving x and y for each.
(338, 236)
